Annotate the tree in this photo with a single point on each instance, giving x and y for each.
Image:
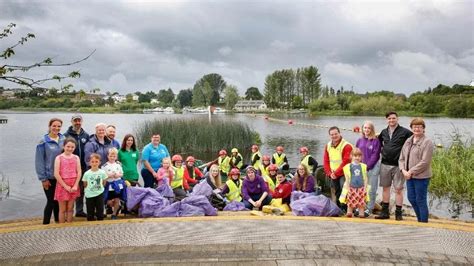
(231, 97)
(166, 96)
(208, 89)
(253, 93)
(16, 73)
(185, 98)
(129, 98)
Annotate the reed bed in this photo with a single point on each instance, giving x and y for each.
(453, 174)
(197, 136)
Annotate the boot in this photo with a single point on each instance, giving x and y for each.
(385, 213)
(398, 213)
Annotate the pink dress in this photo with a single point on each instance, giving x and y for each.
(164, 174)
(68, 172)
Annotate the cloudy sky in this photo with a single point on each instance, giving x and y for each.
(404, 46)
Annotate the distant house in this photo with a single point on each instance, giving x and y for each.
(250, 105)
(154, 101)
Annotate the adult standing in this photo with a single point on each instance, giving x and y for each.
(392, 139)
(415, 163)
(337, 154)
(98, 143)
(370, 146)
(81, 137)
(152, 156)
(110, 132)
(129, 156)
(49, 147)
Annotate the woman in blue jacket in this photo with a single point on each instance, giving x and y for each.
(49, 147)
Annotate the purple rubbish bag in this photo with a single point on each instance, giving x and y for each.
(235, 206)
(315, 206)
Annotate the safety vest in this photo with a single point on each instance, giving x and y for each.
(224, 165)
(305, 162)
(241, 162)
(177, 181)
(335, 154)
(347, 183)
(234, 190)
(279, 159)
(257, 164)
(272, 185)
(264, 170)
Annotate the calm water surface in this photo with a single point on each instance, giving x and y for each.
(23, 131)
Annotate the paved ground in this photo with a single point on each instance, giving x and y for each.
(239, 240)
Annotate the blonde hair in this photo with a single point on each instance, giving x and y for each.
(100, 125)
(216, 180)
(112, 151)
(356, 152)
(372, 130)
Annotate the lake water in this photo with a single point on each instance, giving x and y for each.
(18, 139)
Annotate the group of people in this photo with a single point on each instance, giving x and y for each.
(75, 165)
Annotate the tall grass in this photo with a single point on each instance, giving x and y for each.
(453, 173)
(197, 136)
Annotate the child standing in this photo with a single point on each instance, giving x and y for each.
(94, 180)
(67, 171)
(355, 187)
(115, 186)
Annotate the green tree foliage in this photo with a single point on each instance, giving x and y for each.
(185, 98)
(253, 93)
(166, 96)
(459, 107)
(283, 85)
(231, 96)
(208, 89)
(376, 105)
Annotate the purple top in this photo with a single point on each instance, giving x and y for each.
(309, 184)
(255, 187)
(371, 150)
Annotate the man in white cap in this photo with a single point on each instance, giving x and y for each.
(76, 132)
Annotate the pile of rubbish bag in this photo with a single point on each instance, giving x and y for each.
(159, 202)
(307, 204)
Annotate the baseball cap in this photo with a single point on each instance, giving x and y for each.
(76, 116)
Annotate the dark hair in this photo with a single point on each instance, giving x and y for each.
(391, 113)
(332, 128)
(52, 120)
(124, 143)
(67, 140)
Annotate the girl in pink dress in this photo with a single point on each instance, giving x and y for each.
(67, 170)
(165, 173)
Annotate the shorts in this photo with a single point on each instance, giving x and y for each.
(112, 195)
(391, 175)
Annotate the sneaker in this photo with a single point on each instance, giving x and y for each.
(366, 213)
(398, 216)
(109, 210)
(81, 214)
(114, 217)
(349, 215)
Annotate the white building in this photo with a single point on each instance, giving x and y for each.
(250, 105)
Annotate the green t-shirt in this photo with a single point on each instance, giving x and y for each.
(95, 184)
(129, 160)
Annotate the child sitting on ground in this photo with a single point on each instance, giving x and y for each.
(355, 188)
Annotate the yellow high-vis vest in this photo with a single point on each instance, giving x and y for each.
(234, 190)
(335, 154)
(177, 181)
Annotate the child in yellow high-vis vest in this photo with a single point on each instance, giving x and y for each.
(355, 190)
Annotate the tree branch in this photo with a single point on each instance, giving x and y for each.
(45, 63)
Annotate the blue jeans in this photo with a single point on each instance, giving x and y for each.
(417, 191)
(255, 197)
(373, 175)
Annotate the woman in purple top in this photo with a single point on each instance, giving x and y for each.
(303, 181)
(255, 190)
(370, 146)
